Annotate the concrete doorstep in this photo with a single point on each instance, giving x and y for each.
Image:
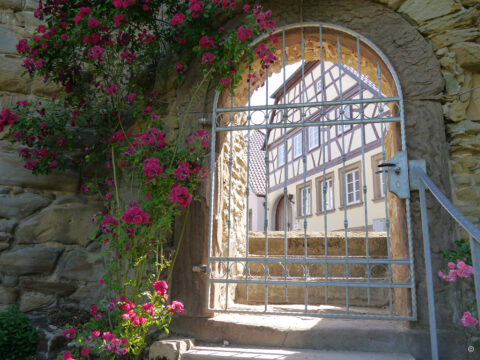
(184, 349)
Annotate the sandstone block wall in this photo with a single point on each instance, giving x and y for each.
(46, 256)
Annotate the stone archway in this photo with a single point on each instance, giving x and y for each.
(422, 83)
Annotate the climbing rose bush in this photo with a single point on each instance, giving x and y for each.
(102, 56)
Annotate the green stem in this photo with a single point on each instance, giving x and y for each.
(117, 197)
(178, 245)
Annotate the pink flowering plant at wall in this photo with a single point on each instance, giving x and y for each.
(103, 57)
(460, 267)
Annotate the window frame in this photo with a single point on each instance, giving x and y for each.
(284, 158)
(319, 192)
(357, 166)
(310, 147)
(297, 136)
(299, 201)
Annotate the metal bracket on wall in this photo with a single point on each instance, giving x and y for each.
(398, 182)
(414, 180)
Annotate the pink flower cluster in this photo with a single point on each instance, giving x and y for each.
(468, 320)
(152, 168)
(179, 194)
(128, 57)
(458, 270)
(177, 19)
(122, 4)
(70, 333)
(7, 117)
(129, 314)
(176, 306)
(160, 287)
(96, 52)
(207, 42)
(182, 171)
(84, 11)
(135, 215)
(244, 33)
(196, 8)
(114, 344)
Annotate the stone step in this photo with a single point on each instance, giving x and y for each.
(242, 353)
(287, 332)
(297, 269)
(357, 296)
(377, 243)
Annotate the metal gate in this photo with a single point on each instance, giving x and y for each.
(312, 158)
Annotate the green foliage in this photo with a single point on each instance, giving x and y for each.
(18, 338)
(462, 252)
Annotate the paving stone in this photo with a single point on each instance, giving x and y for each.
(170, 349)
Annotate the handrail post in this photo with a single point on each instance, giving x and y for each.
(475, 250)
(428, 270)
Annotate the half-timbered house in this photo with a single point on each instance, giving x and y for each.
(319, 183)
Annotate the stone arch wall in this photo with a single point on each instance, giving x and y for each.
(423, 84)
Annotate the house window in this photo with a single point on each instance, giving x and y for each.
(353, 187)
(319, 86)
(297, 145)
(281, 155)
(306, 202)
(304, 199)
(325, 202)
(312, 137)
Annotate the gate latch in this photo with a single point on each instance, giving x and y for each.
(398, 182)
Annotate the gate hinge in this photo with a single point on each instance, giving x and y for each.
(199, 269)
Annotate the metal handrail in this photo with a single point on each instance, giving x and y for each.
(474, 234)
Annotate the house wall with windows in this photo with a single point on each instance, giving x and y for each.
(334, 198)
(324, 146)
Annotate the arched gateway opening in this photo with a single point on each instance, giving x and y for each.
(329, 245)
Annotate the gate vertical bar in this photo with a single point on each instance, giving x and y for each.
(247, 240)
(229, 221)
(364, 175)
(267, 172)
(344, 158)
(212, 190)
(324, 145)
(387, 219)
(304, 160)
(285, 152)
(428, 271)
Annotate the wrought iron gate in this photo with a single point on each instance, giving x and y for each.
(316, 138)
